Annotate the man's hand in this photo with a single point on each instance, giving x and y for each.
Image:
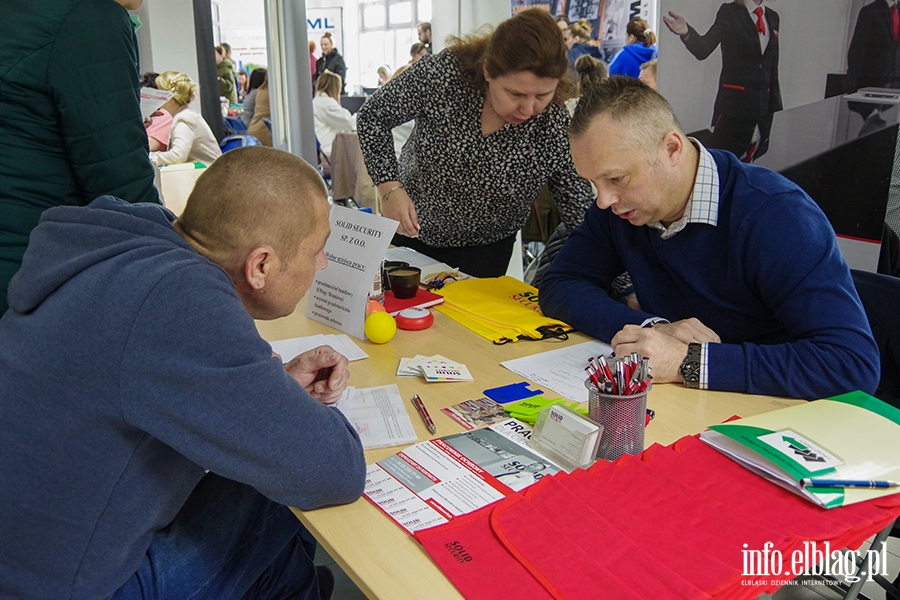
(399, 207)
(665, 352)
(675, 23)
(688, 330)
(322, 372)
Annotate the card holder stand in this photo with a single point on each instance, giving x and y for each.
(566, 437)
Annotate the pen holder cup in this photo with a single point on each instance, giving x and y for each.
(623, 419)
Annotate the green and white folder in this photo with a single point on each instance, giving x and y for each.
(852, 436)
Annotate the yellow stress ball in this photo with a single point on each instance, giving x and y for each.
(380, 327)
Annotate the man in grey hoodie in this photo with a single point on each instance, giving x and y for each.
(151, 441)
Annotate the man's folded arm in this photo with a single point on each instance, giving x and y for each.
(575, 287)
(219, 398)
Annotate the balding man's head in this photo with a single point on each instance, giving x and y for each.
(253, 209)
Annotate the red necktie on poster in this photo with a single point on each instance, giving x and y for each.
(761, 22)
(895, 22)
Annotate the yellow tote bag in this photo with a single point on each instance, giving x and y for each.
(501, 309)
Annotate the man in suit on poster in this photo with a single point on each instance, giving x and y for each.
(874, 50)
(749, 92)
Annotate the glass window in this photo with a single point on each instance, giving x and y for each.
(400, 13)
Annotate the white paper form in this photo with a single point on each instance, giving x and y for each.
(152, 99)
(560, 370)
(288, 349)
(379, 416)
(354, 250)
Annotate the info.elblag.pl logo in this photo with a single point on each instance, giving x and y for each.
(813, 559)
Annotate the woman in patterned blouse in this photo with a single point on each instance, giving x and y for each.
(490, 131)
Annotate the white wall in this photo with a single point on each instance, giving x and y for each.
(812, 42)
(166, 37)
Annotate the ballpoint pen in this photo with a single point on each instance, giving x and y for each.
(420, 406)
(848, 483)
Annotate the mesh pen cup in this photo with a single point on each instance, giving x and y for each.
(623, 419)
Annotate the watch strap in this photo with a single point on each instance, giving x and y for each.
(690, 366)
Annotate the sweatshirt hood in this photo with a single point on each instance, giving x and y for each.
(641, 52)
(71, 239)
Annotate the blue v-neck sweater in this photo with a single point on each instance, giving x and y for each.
(769, 279)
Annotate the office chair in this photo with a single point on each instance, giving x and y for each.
(233, 125)
(237, 141)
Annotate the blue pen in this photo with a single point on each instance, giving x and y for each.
(848, 483)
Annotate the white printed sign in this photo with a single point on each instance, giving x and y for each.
(354, 250)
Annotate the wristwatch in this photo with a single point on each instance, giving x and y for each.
(690, 366)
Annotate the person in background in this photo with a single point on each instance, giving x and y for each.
(257, 78)
(640, 46)
(225, 76)
(578, 41)
(70, 115)
(417, 51)
(741, 284)
(488, 112)
(749, 89)
(331, 60)
(330, 117)
(190, 138)
(648, 73)
(312, 59)
(563, 22)
(257, 127)
(424, 31)
(588, 72)
(148, 80)
(243, 85)
(170, 440)
(384, 75)
(235, 69)
(160, 121)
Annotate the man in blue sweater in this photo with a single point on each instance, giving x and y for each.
(739, 278)
(150, 440)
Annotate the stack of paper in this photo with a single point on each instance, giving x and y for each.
(289, 349)
(433, 368)
(378, 415)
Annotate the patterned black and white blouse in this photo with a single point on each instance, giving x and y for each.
(468, 189)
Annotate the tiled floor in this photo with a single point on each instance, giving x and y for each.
(345, 589)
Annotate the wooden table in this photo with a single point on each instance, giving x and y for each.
(374, 551)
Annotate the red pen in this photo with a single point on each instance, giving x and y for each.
(420, 406)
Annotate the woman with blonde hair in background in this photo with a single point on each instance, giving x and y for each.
(648, 73)
(640, 47)
(331, 60)
(578, 41)
(190, 138)
(330, 117)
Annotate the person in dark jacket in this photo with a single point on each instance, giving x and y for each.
(331, 60)
(169, 440)
(225, 76)
(749, 91)
(70, 114)
(640, 47)
(578, 41)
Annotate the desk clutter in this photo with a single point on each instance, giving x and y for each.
(435, 368)
(500, 309)
(608, 532)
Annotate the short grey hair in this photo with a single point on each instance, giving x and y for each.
(646, 115)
